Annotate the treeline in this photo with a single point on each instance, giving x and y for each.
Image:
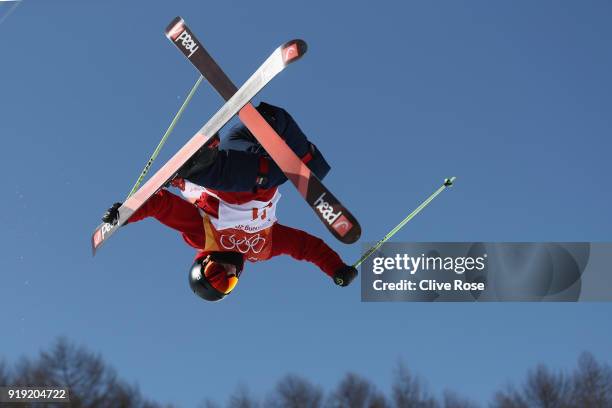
(90, 380)
(93, 383)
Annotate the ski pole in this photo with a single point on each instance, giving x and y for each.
(447, 183)
(165, 136)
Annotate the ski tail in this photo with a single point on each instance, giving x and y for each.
(335, 216)
(178, 32)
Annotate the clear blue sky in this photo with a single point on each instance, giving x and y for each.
(513, 98)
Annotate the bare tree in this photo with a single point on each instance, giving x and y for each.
(546, 389)
(242, 399)
(452, 400)
(543, 389)
(408, 391)
(5, 376)
(592, 383)
(209, 404)
(295, 392)
(590, 386)
(356, 392)
(510, 398)
(378, 400)
(90, 381)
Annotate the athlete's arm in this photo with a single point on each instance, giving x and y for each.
(173, 212)
(305, 247)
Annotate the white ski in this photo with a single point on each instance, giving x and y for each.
(264, 74)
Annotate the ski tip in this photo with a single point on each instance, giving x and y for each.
(175, 28)
(98, 237)
(346, 228)
(293, 50)
(351, 237)
(93, 244)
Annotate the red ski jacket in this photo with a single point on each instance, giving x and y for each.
(180, 215)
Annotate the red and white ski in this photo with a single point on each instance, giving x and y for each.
(276, 62)
(338, 220)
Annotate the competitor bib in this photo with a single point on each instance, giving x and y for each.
(250, 217)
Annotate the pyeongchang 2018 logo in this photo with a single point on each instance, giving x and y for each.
(339, 222)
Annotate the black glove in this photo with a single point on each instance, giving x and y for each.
(111, 216)
(200, 161)
(345, 275)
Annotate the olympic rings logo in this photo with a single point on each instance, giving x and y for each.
(254, 243)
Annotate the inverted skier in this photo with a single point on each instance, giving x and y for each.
(230, 191)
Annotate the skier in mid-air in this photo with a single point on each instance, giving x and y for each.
(230, 191)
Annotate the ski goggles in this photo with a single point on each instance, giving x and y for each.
(219, 277)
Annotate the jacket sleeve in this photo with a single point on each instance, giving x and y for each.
(173, 212)
(304, 247)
